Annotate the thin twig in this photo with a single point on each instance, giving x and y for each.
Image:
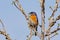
(52, 21)
(2, 25)
(5, 34)
(51, 8)
(18, 5)
(4, 31)
(53, 32)
(56, 7)
(58, 18)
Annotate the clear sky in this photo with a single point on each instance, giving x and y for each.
(15, 22)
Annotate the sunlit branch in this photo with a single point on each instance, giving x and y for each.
(7, 37)
(53, 32)
(54, 21)
(2, 25)
(42, 2)
(18, 5)
(4, 31)
(51, 8)
(55, 9)
(51, 20)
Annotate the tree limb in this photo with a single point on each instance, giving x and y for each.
(2, 25)
(51, 8)
(18, 5)
(42, 2)
(5, 34)
(53, 32)
(4, 31)
(56, 7)
(52, 21)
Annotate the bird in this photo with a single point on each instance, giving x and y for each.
(33, 21)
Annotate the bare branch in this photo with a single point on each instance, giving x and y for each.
(2, 25)
(18, 5)
(51, 8)
(43, 14)
(58, 1)
(42, 2)
(56, 7)
(53, 32)
(5, 34)
(4, 31)
(58, 17)
(52, 21)
(54, 35)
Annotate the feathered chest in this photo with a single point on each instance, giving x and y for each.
(33, 19)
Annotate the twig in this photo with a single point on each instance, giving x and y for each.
(51, 8)
(5, 34)
(51, 24)
(51, 17)
(52, 21)
(2, 25)
(54, 35)
(53, 32)
(18, 5)
(4, 31)
(56, 7)
(58, 18)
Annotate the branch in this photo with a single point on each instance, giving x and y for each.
(42, 2)
(51, 19)
(56, 7)
(43, 14)
(2, 25)
(49, 33)
(53, 22)
(4, 31)
(58, 18)
(53, 32)
(18, 6)
(5, 34)
(51, 8)
(58, 1)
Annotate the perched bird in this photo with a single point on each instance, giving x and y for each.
(33, 21)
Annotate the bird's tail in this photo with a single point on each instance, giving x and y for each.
(36, 32)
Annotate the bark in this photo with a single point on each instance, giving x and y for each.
(7, 37)
(42, 2)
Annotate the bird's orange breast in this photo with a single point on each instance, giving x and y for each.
(33, 18)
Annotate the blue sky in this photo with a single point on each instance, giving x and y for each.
(15, 22)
